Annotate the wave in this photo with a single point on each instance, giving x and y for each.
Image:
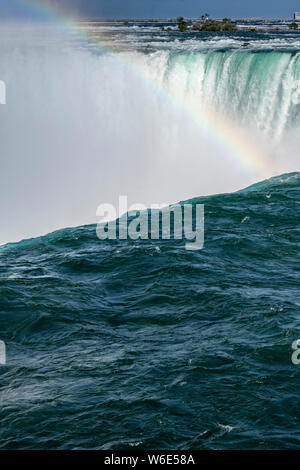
(264, 190)
(277, 182)
(112, 334)
(83, 126)
(142, 343)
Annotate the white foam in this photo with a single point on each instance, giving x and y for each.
(81, 128)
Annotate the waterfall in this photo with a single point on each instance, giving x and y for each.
(82, 126)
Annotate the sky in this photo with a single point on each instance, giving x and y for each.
(157, 8)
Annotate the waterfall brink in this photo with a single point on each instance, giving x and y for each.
(261, 89)
(82, 126)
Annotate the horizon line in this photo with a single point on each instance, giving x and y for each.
(154, 18)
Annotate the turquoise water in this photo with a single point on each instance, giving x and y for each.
(84, 124)
(145, 345)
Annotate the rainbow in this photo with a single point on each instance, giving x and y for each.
(239, 149)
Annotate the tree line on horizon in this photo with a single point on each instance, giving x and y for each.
(206, 24)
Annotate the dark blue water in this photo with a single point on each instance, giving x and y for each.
(128, 345)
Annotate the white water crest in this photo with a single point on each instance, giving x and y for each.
(82, 126)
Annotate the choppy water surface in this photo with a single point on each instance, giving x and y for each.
(143, 344)
(146, 345)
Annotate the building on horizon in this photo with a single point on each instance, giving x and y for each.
(297, 16)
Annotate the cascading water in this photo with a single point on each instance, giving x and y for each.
(261, 89)
(141, 343)
(82, 126)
